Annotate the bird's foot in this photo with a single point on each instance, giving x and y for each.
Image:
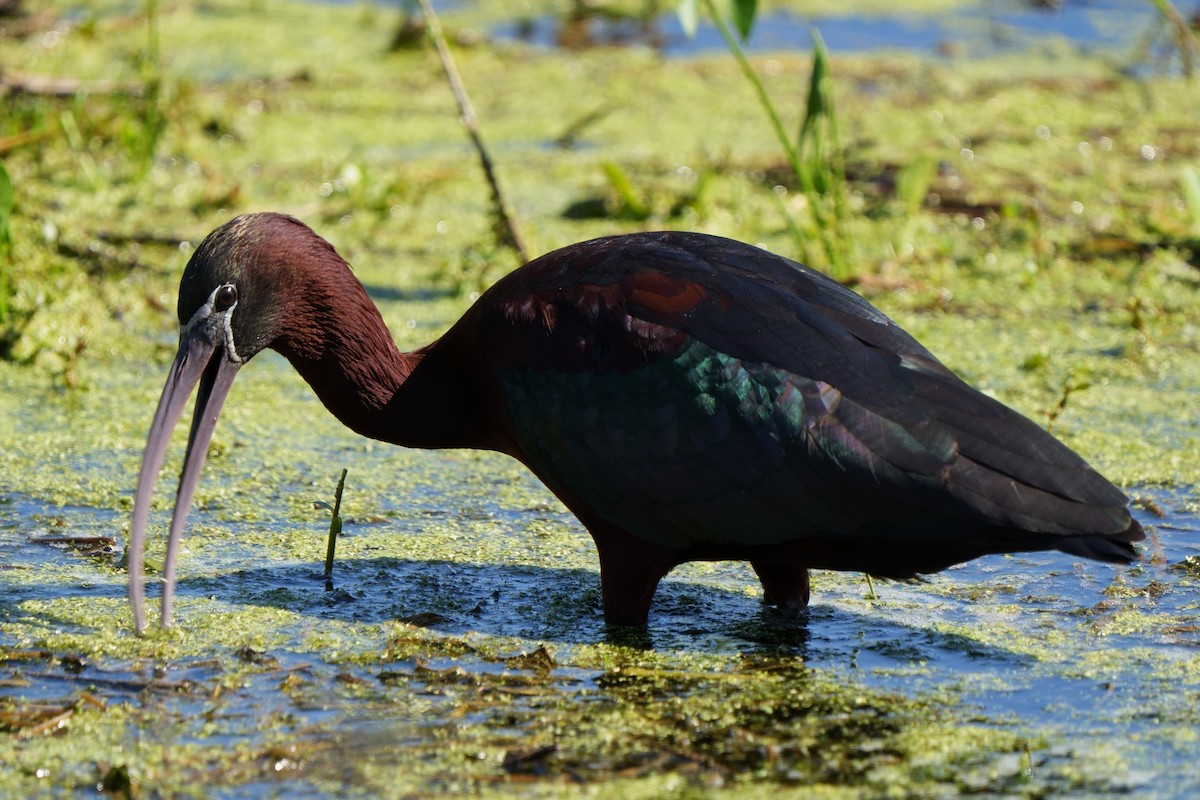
(785, 586)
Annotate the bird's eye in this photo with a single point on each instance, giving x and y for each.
(226, 296)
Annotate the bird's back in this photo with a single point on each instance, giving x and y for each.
(704, 394)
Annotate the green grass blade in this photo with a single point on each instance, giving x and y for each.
(820, 102)
(913, 182)
(743, 13)
(7, 201)
(7, 197)
(632, 205)
(1190, 181)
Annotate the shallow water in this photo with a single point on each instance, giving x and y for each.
(1100, 663)
(984, 29)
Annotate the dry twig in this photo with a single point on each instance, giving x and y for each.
(505, 221)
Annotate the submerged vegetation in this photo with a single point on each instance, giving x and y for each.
(1033, 219)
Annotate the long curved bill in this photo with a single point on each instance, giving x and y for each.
(198, 360)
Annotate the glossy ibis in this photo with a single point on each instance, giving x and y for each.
(688, 397)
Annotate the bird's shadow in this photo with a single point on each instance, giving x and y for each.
(544, 604)
(533, 602)
(563, 605)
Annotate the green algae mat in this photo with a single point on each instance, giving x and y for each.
(1050, 258)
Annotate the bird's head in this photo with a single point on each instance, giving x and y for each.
(231, 306)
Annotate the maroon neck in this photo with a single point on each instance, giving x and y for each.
(336, 339)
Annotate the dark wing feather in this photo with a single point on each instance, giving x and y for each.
(767, 402)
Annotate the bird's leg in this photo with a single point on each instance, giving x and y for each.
(630, 571)
(784, 585)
